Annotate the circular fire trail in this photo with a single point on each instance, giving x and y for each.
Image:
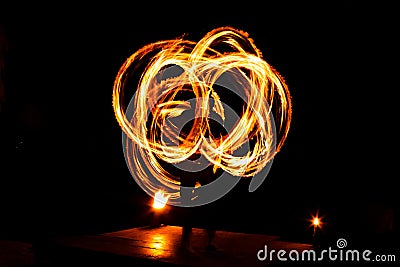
(172, 85)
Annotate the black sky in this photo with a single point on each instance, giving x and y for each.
(65, 143)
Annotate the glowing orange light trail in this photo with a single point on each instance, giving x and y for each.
(153, 137)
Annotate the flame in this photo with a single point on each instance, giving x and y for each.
(156, 102)
(316, 221)
(160, 200)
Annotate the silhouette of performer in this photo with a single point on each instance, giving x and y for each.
(206, 214)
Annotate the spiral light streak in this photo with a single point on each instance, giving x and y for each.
(153, 137)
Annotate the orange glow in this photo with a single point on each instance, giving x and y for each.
(316, 221)
(156, 102)
(158, 245)
(160, 200)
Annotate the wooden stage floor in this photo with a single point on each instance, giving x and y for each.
(159, 246)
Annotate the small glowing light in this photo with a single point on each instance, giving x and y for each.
(316, 221)
(160, 200)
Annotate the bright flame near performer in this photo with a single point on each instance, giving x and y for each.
(153, 137)
(160, 200)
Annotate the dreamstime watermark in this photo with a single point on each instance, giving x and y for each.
(338, 253)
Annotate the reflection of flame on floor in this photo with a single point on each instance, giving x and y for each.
(316, 221)
(160, 200)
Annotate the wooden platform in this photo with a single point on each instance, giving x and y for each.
(159, 246)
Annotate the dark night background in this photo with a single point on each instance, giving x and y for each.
(62, 167)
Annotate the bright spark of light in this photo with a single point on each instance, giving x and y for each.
(160, 200)
(316, 221)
